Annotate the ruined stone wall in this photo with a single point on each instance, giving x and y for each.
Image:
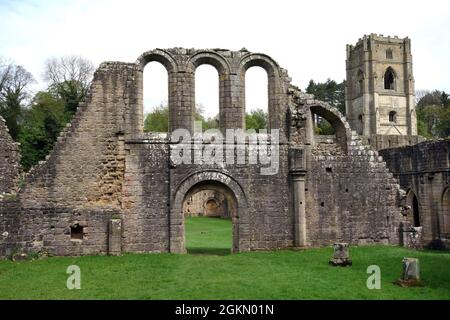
(146, 201)
(378, 141)
(81, 179)
(350, 194)
(424, 169)
(48, 230)
(350, 198)
(86, 166)
(152, 185)
(105, 167)
(267, 222)
(9, 160)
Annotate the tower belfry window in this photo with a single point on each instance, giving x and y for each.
(389, 79)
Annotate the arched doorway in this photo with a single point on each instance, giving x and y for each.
(209, 230)
(210, 180)
(413, 203)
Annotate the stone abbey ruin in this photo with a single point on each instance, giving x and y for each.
(109, 187)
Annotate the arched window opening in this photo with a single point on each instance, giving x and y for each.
(446, 213)
(256, 99)
(207, 96)
(330, 133)
(393, 116)
(413, 203)
(360, 118)
(155, 98)
(389, 79)
(416, 212)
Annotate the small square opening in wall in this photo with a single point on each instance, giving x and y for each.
(76, 232)
(322, 204)
(328, 169)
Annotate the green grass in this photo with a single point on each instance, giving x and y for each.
(208, 236)
(209, 271)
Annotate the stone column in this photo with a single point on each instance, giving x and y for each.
(232, 113)
(298, 178)
(298, 173)
(181, 100)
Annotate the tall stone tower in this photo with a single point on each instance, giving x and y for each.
(379, 92)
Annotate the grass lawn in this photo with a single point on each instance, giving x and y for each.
(209, 271)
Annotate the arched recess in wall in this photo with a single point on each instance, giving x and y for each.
(413, 202)
(207, 96)
(334, 118)
(445, 207)
(161, 89)
(276, 117)
(256, 98)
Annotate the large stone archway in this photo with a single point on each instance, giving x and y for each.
(206, 180)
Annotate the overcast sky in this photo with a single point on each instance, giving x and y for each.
(307, 38)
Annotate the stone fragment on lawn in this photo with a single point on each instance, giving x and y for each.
(341, 255)
(411, 273)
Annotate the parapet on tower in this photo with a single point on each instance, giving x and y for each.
(379, 97)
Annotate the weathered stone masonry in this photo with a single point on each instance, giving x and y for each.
(423, 171)
(106, 174)
(9, 160)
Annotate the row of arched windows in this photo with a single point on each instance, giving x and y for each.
(155, 90)
(444, 219)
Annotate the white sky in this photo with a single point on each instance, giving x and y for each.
(307, 38)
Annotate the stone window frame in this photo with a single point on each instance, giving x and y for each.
(390, 86)
(389, 54)
(392, 116)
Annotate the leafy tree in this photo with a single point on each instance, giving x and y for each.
(443, 125)
(15, 84)
(433, 114)
(256, 119)
(329, 91)
(69, 78)
(323, 127)
(207, 123)
(157, 120)
(42, 124)
(210, 123)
